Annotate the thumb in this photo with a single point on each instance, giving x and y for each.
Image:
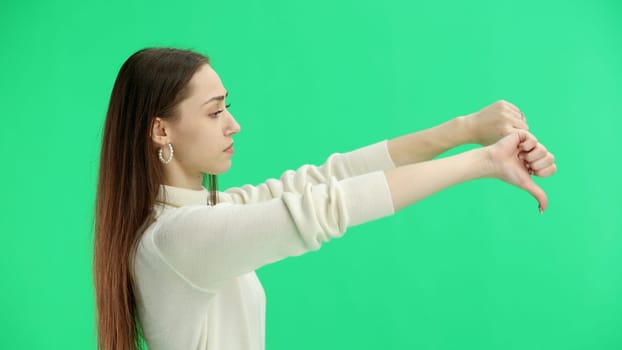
(535, 190)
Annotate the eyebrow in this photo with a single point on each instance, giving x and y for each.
(216, 98)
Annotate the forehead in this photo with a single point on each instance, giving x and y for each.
(206, 83)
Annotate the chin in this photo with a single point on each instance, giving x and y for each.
(220, 170)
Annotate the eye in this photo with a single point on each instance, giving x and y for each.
(215, 114)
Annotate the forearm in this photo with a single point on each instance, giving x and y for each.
(427, 144)
(411, 183)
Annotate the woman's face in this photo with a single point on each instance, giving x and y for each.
(203, 129)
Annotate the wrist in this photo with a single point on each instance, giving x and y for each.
(462, 130)
(486, 162)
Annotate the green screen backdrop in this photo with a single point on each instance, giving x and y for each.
(473, 267)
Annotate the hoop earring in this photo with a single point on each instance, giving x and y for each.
(170, 154)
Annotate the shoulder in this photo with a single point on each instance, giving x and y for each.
(168, 218)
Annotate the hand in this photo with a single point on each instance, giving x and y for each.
(518, 155)
(494, 122)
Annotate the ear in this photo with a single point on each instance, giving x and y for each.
(158, 132)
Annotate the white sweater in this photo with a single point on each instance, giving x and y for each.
(196, 286)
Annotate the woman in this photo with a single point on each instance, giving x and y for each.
(174, 262)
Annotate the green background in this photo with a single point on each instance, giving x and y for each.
(473, 267)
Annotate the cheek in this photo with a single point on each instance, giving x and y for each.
(200, 138)
(187, 139)
(209, 136)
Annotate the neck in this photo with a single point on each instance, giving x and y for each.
(176, 177)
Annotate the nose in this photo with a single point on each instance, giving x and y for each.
(233, 127)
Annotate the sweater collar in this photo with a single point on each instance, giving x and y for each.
(179, 197)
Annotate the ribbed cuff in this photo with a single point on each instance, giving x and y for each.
(371, 158)
(368, 197)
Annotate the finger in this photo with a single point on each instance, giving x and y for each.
(519, 124)
(540, 164)
(517, 114)
(536, 153)
(537, 193)
(528, 141)
(548, 171)
(512, 106)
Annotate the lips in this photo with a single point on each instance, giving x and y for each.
(228, 148)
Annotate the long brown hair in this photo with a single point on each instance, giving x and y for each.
(152, 82)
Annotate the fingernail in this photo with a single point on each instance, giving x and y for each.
(540, 209)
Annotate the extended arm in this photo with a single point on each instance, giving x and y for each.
(513, 159)
(483, 127)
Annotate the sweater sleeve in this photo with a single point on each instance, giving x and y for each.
(362, 160)
(207, 246)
